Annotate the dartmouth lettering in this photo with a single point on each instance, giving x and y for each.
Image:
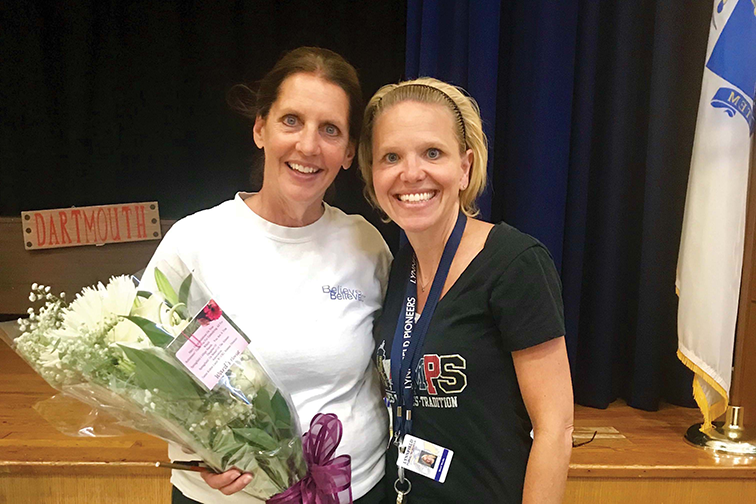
(81, 226)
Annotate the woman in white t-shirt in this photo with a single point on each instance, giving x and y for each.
(279, 260)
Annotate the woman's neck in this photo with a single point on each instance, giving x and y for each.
(429, 247)
(279, 211)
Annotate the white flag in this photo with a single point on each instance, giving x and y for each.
(711, 247)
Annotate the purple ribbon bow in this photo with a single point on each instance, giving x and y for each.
(328, 480)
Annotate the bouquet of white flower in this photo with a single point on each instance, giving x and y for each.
(171, 364)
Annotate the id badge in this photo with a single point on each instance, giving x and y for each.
(425, 458)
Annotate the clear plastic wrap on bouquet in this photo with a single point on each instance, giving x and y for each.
(169, 362)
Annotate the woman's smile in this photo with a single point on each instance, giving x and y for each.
(303, 168)
(417, 197)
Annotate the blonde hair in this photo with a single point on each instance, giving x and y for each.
(468, 130)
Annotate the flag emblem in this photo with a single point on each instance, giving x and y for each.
(734, 60)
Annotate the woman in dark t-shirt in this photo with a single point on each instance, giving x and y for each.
(473, 318)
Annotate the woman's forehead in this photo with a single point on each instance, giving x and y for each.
(413, 119)
(309, 93)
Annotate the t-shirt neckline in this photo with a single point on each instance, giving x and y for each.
(278, 232)
(468, 267)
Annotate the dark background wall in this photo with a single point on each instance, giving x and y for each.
(116, 101)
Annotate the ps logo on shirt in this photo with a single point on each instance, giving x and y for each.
(442, 374)
(436, 375)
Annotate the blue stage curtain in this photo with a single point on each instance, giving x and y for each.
(457, 41)
(594, 114)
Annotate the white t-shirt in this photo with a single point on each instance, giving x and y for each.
(306, 297)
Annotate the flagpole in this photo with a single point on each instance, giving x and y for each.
(732, 436)
(745, 336)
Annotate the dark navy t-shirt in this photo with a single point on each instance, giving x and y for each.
(466, 394)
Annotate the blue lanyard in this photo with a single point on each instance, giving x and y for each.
(406, 349)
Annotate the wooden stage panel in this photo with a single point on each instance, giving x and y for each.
(659, 491)
(75, 488)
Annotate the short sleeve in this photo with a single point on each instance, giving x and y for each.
(371, 245)
(383, 267)
(526, 300)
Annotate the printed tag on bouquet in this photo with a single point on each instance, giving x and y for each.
(212, 347)
(423, 457)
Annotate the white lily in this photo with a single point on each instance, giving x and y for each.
(153, 308)
(176, 329)
(128, 333)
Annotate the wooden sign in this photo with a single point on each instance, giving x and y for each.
(93, 225)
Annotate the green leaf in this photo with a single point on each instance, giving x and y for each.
(157, 336)
(144, 294)
(265, 422)
(275, 471)
(257, 437)
(183, 295)
(165, 287)
(262, 403)
(280, 410)
(282, 426)
(283, 431)
(152, 372)
(226, 445)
